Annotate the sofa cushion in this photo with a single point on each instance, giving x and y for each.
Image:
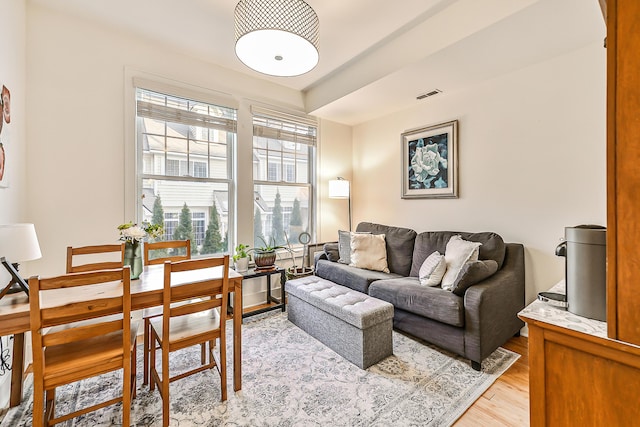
(433, 269)
(400, 242)
(369, 251)
(472, 273)
(331, 251)
(493, 247)
(458, 253)
(407, 294)
(352, 277)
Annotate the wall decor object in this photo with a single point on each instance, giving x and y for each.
(5, 119)
(430, 162)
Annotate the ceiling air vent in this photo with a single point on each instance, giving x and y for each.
(428, 94)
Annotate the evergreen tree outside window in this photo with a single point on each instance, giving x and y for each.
(184, 230)
(284, 159)
(213, 240)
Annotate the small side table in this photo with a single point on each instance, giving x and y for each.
(276, 303)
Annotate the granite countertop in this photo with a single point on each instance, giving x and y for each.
(544, 312)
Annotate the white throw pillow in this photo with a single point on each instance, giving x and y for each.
(457, 254)
(432, 269)
(369, 251)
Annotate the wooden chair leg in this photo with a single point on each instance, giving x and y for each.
(134, 371)
(223, 367)
(165, 387)
(152, 363)
(50, 405)
(38, 404)
(145, 356)
(126, 394)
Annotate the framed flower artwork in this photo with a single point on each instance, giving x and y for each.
(430, 162)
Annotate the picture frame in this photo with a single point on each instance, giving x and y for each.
(430, 161)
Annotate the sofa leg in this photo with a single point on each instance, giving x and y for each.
(517, 334)
(476, 365)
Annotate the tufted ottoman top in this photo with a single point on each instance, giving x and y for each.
(355, 308)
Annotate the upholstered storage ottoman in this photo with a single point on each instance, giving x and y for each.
(353, 324)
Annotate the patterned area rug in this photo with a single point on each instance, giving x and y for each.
(291, 379)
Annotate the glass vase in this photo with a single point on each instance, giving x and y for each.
(133, 257)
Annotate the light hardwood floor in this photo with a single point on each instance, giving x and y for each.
(506, 402)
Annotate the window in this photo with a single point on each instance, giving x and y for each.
(186, 148)
(284, 155)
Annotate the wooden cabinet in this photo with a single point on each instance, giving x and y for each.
(623, 170)
(577, 375)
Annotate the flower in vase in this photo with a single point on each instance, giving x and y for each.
(130, 232)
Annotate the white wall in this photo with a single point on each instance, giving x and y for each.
(13, 76)
(334, 160)
(531, 160)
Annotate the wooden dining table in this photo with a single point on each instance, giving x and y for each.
(146, 292)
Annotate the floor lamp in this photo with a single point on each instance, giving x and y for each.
(340, 188)
(18, 243)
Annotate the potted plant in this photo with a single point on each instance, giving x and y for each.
(265, 256)
(241, 258)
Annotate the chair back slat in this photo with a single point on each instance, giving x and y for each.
(79, 311)
(84, 279)
(195, 307)
(114, 252)
(183, 246)
(83, 332)
(197, 289)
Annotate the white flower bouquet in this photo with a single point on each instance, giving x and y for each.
(130, 232)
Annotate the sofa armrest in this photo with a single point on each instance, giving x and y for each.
(318, 256)
(492, 306)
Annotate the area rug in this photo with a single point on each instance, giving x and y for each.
(291, 379)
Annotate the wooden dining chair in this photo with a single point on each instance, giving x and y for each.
(192, 323)
(79, 334)
(177, 254)
(175, 245)
(91, 253)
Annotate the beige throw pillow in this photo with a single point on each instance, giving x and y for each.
(457, 254)
(432, 269)
(369, 251)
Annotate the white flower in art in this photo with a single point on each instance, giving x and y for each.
(426, 162)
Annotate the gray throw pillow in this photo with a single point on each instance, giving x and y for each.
(472, 273)
(331, 251)
(344, 247)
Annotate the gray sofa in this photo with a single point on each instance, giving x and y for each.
(473, 324)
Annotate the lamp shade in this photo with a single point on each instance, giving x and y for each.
(339, 189)
(19, 242)
(277, 37)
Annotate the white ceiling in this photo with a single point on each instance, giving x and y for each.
(376, 56)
